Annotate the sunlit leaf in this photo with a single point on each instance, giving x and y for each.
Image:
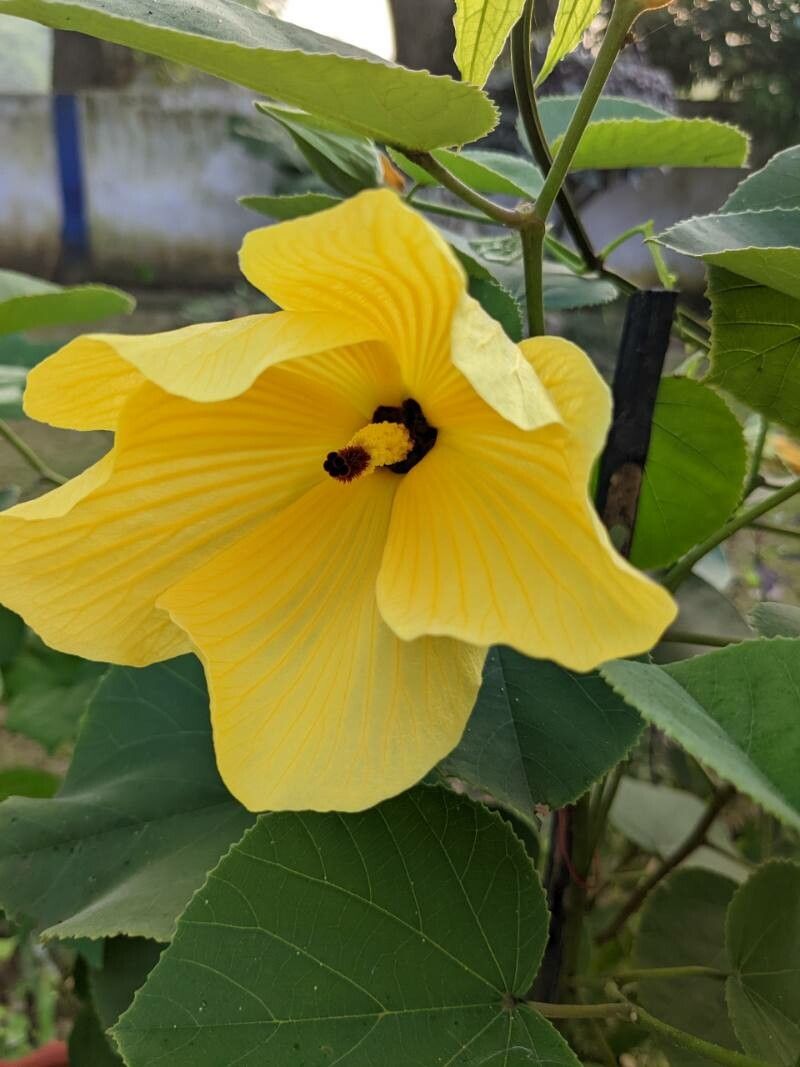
(481, 169)
(556, 112)
(482, 27)
(693, 475)
(763, 938)
(620, 144)
(295, 65)
(141, 817)
(572, 18)
(399, 936)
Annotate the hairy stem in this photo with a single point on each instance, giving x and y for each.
(623, 15)
(694, 840)
(505, 216)
(683, 568)
(715, 1053)
(533, 263)
(44, 470)
(525, 92)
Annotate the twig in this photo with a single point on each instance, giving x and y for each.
(694, 840)
(505, 216)
(43, 469)
(753, 476)
(581, 1011)
(683, 568)
(773, 528)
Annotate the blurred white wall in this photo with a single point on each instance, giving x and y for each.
(364, 23)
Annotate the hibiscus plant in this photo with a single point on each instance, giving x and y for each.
(416, 745)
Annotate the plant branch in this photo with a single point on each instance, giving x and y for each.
(581, 1011)
(503, 215)
(694, 840)
(43, 469)
(753, 476)
(455, 212)
(525, 92)
(642, 974)
(683, 568)
(533, 265)
(716, 1053)
(773, 528)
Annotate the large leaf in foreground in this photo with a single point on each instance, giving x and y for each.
(683, 925)
(27, 302)
(734, 710)
(540, 734)
(141, 818)
(754, 339)
(777, 184)
(763, 246)
(318, 74)
(693, 475)
(399, 936)
(763, 938)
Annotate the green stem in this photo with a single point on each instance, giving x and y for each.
(533, 264)
(683, 568)
(716, 1053)
(642, 974)
(773, 528)
(564, 254)
(525, 92)
(755, 459)
(623, 15)
(580, 1011)
(690, 637)
(690, 332)
(454, 212)
(505, 216)
(694, 840)
(42, 469)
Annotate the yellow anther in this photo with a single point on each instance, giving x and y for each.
(386, 442)
(380, 444)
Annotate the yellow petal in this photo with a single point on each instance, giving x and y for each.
(84, 385)
(85, 564)
(494, 540)
(375, 262)
(497, 369)
(315, 702)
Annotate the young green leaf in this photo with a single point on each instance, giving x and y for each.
(482, 27)
(734, 710)
(693, 475)
(295, 65)
(140, 819)
(294, 206)
(347, 163)
(540, 734)
(619, 144)
(763, 939)
(399, 936)
(27, 302)
(683, 925)
(572, 19)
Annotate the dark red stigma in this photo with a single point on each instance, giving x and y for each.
(347, 464)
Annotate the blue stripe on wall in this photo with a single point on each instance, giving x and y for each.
(75, 231)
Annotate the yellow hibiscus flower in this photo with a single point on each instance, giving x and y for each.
(338, 506)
